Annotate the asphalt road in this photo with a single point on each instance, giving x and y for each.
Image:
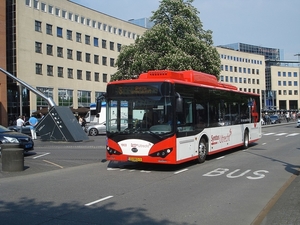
(74, 184)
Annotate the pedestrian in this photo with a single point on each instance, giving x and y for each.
(20, 123)
(33, 122)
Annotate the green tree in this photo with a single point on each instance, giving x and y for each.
(177, 41)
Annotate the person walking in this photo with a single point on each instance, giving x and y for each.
(20, 123)
(33, 122)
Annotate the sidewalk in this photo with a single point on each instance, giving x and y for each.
(284, 207)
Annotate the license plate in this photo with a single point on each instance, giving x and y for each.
(135, 159)
(28, 146)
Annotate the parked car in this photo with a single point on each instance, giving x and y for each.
(25, 128)
(275, 119)
(298, 122)
(95, 129)
(9, 136)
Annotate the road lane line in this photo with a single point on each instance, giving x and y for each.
(41, 155)
(293, 134)
(268, 134)
(221, 157)
(181, 171)
(99, 200)
(280, 134)
(53, 164)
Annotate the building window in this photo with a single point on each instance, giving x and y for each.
(103, 43)
(284, 83)
(79, 74)
(295, 92)
(104, 77)
(96, 76)
(88, 75)
(96, 42)
(290, 83)
(49, 50)
(82, 19)
(290, 92)
(249, 81)
(40, 102)
(59, 52)
(27, 2)
(284, 92)
(295, 74)
(279, 92)
(112, 62)
(38, 47)
(49, 29)
(96, 59)
(83, 98)
(70, 16)
(230, 68)
(88, 57)
(78, 37)
(119, 47)
(69, 53)
(69, 35)
(36, 4)
(38, 26)
(244, 70)
(60, 71)
(65, 97)
(295, 83)
(284, 74)
(76, 18)
(64, 14)
(240, 80)
(49, 70)
(50, 9)
(245, 80)
(257, 71)
(87, 39)
(257, 81)
(104, 61)
(279, 73)
(79, 56)
(289, 74)
(226, 67)
(253, 81)
(57, 11)
(104, 27)
(59, 32)
(70, 73)
(38, 68)
(279, 83)
(111, 45)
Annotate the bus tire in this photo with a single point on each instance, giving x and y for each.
(202, 150)
(246, 139)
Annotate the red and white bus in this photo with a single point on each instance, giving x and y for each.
(177, 116)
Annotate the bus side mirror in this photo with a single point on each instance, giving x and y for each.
(179, 104)
(99, 101)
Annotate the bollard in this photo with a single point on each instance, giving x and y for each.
(12, 158)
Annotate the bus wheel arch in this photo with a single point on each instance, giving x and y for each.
(246, 139)
(202, 149)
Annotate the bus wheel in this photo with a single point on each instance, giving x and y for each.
(246, 139)
(93, 132)
(202, 150)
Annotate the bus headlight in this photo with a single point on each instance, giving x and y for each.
(112, 151)
(162, 153)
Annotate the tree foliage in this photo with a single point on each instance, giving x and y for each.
(177, 41)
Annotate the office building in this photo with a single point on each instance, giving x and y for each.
(63, 49)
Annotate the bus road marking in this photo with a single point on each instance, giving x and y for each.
(181, 171)
(41, 155)
(53, 164)
(99, 200)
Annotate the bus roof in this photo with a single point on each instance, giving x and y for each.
(187, 76)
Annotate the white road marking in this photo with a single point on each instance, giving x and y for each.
(99, 200)
(41, 155)
(280, 134)
(221, 157)
(268, 134)
(181, 171)
(293, 134)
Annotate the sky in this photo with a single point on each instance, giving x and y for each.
(266, 23)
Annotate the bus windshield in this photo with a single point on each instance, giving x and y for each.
(143, 115)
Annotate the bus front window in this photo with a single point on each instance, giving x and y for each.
(143, 115)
